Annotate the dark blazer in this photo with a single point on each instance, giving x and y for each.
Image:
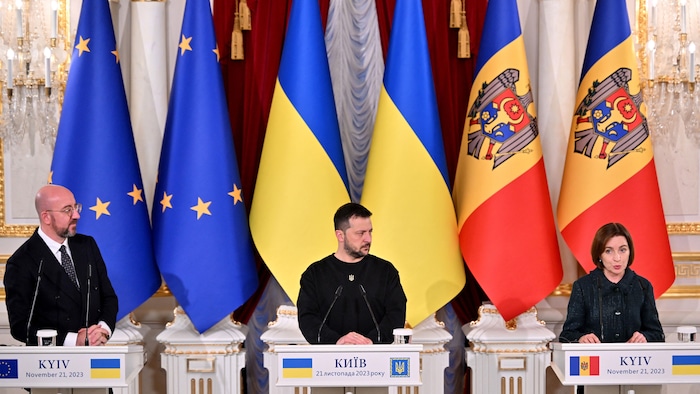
(612, 311)
(59, 304)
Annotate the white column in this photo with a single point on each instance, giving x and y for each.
(513, 356)
(211, 362)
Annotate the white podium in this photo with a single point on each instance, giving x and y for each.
(626, 363)
(347, 366)
(70, 367)
(639, 366)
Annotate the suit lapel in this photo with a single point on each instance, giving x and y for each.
(53, 270)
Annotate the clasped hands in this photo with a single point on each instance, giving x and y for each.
(97, 336)
(637, 337)
(353, 338)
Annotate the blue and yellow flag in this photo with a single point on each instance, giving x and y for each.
(302, 179)
(501, 193)
(200, 229)
(406, 186)
(610, 175)
(95, 157)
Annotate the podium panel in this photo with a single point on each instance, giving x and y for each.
(348, 365)
(626, 363)
(69, 367)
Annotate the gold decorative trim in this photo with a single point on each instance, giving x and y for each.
(692, 228)
(206, 365)
(502, 367)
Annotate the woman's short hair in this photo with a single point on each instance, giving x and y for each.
(601, 238)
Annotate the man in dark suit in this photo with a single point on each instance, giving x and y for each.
(64, 260)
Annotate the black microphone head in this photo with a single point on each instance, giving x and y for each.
(362, 290)
(339, 290)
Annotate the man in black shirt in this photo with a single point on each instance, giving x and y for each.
(351, 297)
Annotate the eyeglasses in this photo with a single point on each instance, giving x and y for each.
(69, 210)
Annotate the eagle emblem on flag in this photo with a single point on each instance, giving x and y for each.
(500, 116)
(610, 113)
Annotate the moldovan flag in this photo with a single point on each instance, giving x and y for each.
(200, 227)
(95, 157)
(302, 179)
(406, 186)
(609, 174)
(506, 222)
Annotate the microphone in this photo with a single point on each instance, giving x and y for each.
(87, 308)
(335, 298)
(36, 294)
(374, 319)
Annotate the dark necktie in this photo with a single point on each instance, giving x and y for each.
(68, 266)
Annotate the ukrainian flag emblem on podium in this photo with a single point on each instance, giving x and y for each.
(400, 367)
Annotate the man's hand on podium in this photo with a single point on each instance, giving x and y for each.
(97, 336)
(353, 338)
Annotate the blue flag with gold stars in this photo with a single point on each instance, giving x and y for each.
(200, 228)
(95, 157)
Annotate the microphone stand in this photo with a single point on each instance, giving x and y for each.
(371, 313)
(87, 307)
(36, 294)
(337, 294)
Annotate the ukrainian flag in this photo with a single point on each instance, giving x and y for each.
(501, 192)
(686, 365)
(406, 185)
(105, 368)
(302, 179)
(609, 175)
(297, 368)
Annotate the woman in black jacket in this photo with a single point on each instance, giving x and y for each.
(612, 303)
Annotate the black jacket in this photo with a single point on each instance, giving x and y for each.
(612, 311)
(59, 304)
(385, 295)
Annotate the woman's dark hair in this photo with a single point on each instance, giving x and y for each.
(603, 235)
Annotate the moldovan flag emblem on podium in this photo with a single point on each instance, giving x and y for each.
(505, 217)
(610, 174)
(584, 365)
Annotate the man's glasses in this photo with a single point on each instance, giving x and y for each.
(69, 210)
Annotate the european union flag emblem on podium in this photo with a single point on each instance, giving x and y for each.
(400, 367)
(8, 369)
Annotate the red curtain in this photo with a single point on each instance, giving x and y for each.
(250, 84)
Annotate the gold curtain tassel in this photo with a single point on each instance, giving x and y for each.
(455, 10)
(463, 40)
(244, 12)
(237, 40)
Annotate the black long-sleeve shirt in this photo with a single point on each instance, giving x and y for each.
(612, 311)
(385, 295)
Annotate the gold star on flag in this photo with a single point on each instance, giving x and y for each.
(236, 194)
(83, 46)
(165, 202)
(218, 55)
(116, 55)
(201, 208)
(100, 208)
(136, 194)
(185, 45)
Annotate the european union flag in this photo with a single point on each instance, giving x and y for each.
(95, 157)
(200, 229)
(8, 369)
